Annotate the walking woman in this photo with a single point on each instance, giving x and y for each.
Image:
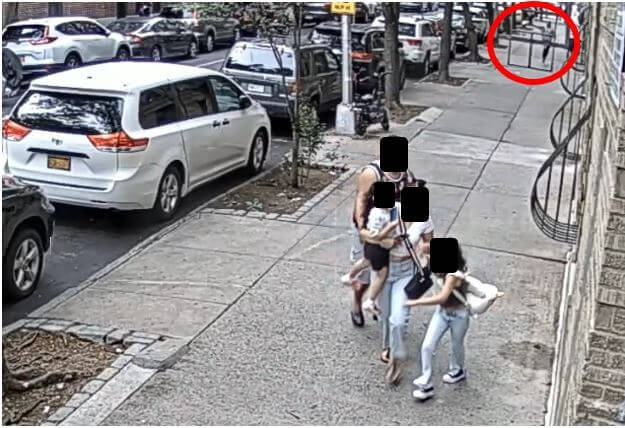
(395, 314)
(450, 314)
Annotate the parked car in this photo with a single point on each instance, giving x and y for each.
(367, 49)
(421, 42)
(209, 30)
(49, 44)
(253, 64)
(133, 135)
(157, 38)
(27, 227)
(480, 20)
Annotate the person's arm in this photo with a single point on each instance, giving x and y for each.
(365, 183)
(451, 282)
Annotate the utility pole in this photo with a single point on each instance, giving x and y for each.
(345, 117)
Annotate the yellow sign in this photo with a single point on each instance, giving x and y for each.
(344, 8)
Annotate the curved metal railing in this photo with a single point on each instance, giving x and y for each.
(553, 197)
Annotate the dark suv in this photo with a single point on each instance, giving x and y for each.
(27, 225)
(367, 49)
(253, 65)
(208, 29)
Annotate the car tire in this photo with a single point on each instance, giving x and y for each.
(168, 195)
(192, 49)
(210, 42)
(26, 243)
(156, 54)
(73, 61)
(123, 54)
(258, 153)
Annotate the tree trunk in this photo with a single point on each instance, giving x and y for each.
(297, 35)
(391, 54)
(9, 13)
(443, 66)
(471, 33)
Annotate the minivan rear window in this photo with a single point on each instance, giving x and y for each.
(69, 113)
(259, 60)
(16, 33)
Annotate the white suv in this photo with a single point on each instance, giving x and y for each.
(421, 44)
(68, 42)
(133, 135)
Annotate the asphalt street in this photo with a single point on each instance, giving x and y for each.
(86, 240)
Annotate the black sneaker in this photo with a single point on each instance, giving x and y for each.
(454, 377)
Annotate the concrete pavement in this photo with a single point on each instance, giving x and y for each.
(260, 299)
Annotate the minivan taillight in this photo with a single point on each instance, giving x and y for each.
(362, 56)
(118, 142)
(413, 42)
(135, 39)
(13, 131)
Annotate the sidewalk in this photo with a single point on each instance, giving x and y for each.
(268, 321)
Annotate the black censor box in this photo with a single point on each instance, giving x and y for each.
(393, 154)
(444, 255)
(415, 204)
(383, 194)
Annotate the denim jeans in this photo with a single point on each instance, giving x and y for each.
(395, 315)
(456, 320)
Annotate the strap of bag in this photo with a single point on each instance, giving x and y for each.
(409, 247)
(460, 296)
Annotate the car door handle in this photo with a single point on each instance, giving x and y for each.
(225, 122)
(216, 124)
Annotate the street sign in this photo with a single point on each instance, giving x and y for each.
(343, 8)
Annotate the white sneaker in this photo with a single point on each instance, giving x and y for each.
(347, 279)
(423, 393)
(454, 377)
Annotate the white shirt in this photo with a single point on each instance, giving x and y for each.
(378, 218)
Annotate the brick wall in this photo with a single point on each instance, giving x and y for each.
(590, 371)
(28, 10)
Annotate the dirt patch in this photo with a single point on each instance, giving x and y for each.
(272, 193)
(531, 355)
(46, 353)
(406, 112)
(452, 81)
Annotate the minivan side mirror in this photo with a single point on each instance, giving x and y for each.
(244, 102)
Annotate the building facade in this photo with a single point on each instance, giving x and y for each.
(588, 384)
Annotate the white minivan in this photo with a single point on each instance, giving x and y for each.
(133, 135)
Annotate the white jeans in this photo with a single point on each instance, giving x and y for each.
(456, 320)
(395, 315)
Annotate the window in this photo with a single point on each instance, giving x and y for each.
(125, 27)
(195, 97)
(407, 30)
(427, 30)
(93, 28)
(15, 33)
(159, 27)
(156, 108)
(305, 63)
(258, 59)
(69, 113)
(333, 63)
(377, 41)
(171, 25)
(226, 94)
(320, 63)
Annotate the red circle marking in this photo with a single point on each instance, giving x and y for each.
(490, 43)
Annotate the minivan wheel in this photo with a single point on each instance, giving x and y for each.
(72, 61)
(23, 264)
(192, 51)
(123, 54)
(210, 42)
(168, 195)
(155, 54)
(258, 152)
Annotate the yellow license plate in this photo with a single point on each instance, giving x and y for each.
(59, 162)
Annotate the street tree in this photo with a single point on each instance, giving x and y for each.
(9, 13)
(391, 54)
(122, 9)
(443, 66)
(474, 54)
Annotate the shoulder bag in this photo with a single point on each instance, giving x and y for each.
(421, 280)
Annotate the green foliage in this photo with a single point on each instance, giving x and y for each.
(310, 141)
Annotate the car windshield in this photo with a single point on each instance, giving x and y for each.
(16, 33)
(410, 8)
(69, 113)
(259, 60)
(126, 27)
(407, 29)
(333, 38)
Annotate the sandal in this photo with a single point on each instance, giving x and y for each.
(393, 373)
(358, 319)
(385, 356)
